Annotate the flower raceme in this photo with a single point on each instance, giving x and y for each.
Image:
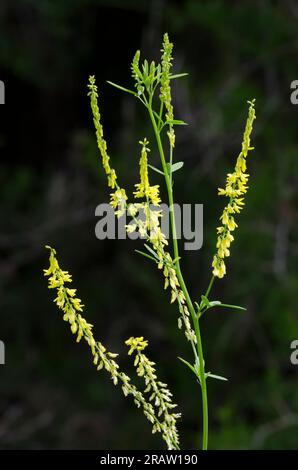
(159, 413)
(118, 197)
(143, 189)
(102, 145)
(159, 393)
(236, 187)
(165, 89)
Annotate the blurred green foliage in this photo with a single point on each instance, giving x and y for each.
(50, 395)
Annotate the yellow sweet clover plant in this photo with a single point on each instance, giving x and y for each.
(152, 87)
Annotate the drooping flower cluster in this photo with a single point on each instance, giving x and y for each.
(236, 187)
(71, 307)
(159, 393)
(165, 88)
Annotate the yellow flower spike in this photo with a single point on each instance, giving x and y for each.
(71, 306)
(143, 189)
(158, 392)
(143, 186)
(165, 89)
(136, 73)
(101, 143)
(235, 188)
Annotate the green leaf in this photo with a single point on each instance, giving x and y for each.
(190, 366)
(175, 166)
(204, 302)
(178, 75)
(207, 304)
(217, 377)
(151, 251)
(177, 122)
(146, 255)
(159, 119)
(147, 83)
(156, 169)
(122, 88)
(236, 307)
(215, 303)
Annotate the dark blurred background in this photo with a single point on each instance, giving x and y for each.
(51, 397)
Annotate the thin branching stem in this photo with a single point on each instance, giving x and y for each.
(200, 355)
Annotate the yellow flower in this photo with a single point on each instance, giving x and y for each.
(136, 344)
(153, 194)
(112, 177)
(118, 201)
(236, 186)
(219, 267)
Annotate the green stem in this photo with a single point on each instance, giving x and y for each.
(182, 283)
(171, 161)
(210, 286)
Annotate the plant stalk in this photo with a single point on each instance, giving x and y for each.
(168, 181)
